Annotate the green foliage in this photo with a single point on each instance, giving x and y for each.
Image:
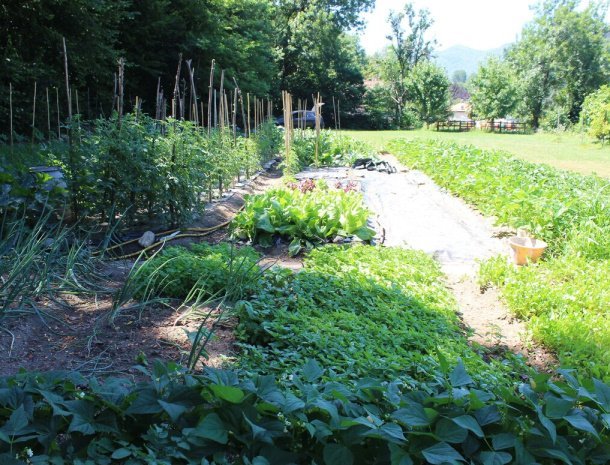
(428, 89)
(563, 299)
(218, 417)
(561, 57)
(566, 305)
(494, 92)
(149, 169)
(176, 271)
(306, 218)
(358, 311)
(594, 114)
(334, 149)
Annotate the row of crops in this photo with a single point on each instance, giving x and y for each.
(566, 298)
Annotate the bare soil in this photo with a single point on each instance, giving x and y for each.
(80, 337)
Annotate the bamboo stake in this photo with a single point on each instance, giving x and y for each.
(177, 88)
(67, 81)
(10, 106)
(157, 102)
(121, 88)
(334, 113)
(48, 115)
(34, 113)
(58, 116)
(221, 95)
(215, 111)
(210, 87)
(248, 121)
(235, 115)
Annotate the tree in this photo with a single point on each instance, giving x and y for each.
(428, 90)
(409, 47)
(319, 57)
(494, 90)
(561, 57)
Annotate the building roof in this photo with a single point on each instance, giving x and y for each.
(462, 106)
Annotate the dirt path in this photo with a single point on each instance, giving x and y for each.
(417, 213)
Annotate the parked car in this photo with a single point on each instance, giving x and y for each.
(302, 118)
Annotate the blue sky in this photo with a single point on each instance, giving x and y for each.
(480, 24)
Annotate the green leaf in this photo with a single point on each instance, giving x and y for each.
(399, 456)
(503, 441)
(446, 430)
(228, 393)
(441, 453)
(392, 432)
(173, 410)
(120, 454)
(548, 425)
(459, 377)
(264, 222)
(556, 407)
(469, 423)
(414, 416)
(337, 454)
(495, 458)
(312, 371)
(602, 391)
(580, 422)
(213, 428)
(16, 422)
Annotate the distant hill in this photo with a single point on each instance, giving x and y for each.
(466, 58)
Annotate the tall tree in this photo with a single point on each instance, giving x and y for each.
(561, 57)
(409, 46)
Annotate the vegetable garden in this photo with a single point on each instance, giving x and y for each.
(359, 357)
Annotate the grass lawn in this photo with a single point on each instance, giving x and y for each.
(565, 151)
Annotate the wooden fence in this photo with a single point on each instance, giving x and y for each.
(459, 126)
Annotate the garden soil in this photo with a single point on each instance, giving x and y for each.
(80, 337)
(414, 212)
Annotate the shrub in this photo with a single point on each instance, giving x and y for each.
(595, 113)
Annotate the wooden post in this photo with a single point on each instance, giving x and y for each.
(157, 102)
(67, 82)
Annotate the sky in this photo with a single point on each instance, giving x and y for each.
(479, 24)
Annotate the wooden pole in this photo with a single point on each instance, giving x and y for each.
(67, 82)
(58, 116)
(248, 114)
(210, 87)
(221, 95)
(215, 111)
(10, 106)
(48, 115)
(177, 89)
(34, 113)
(157, 102)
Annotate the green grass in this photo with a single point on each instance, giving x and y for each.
(564, 151)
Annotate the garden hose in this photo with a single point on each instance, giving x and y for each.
(190, 232)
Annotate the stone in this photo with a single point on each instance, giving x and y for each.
(147, 239)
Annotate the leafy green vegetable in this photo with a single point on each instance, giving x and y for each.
(306, 218)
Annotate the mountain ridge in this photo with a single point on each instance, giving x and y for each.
(459, 57)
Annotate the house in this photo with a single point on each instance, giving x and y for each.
(460, 112)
